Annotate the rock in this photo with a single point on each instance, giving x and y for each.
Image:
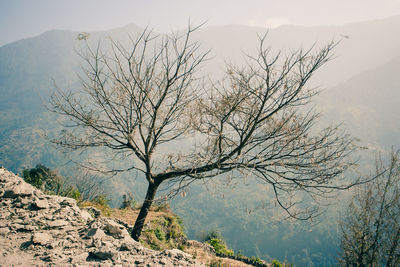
(48, 217)
(178, 254)
(24, 201)
(164, 261)
(104, 253)
(130, 245)
(96, 233)
(79, 258)
(139, 261)
(30, 228)
(68, 202)
(57, 223)
(86, 215)
(41, 238)
(4, 231)
(5, 215)
(204, 246)
(93, 211)
(39, 204)
(22, 227)
(114, 229)
(23, 190)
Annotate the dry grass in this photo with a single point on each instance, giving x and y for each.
(208, 258)
(129, 215)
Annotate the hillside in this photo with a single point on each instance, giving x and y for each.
(368, 103)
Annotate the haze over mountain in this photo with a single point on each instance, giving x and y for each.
(362, 89)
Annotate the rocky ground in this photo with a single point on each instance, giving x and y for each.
(42, 230)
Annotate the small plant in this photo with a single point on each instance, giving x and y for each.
(102, 200)
(128, 201)
(159, 233)
(75, 194)
(256, 260)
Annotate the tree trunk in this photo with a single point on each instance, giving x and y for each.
(151, 192)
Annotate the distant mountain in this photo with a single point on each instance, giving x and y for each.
(361, 89)
(363, 45)
(369, 105)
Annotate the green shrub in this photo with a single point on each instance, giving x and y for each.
(44, 179)
(256, 260)
(164, 232)
(239, 254)
(220, 246)
(50, 182)
(276, 263)
(213, 233)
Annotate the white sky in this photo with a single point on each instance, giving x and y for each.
(24, 18)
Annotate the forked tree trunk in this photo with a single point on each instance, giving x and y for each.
(151, 192)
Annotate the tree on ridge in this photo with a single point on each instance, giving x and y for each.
(138, 102)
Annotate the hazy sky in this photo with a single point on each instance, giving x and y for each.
(24, 18)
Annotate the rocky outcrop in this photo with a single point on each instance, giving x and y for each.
(43, 230)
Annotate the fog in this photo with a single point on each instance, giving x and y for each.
(23, 18)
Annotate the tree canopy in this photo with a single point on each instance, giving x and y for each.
(150, 104)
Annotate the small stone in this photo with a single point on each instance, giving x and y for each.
(41, 238)
(22, 189)
(114, 229)
(4, 231)
(104, 253)
(22, 228)
(78, 258)
(178, 254)
(47, 258)
(93, 211)
(68, 202)
(4, 214)
(38, 204)
(30, 228)
(57, 223)
(86, 215)
(163, 261)
(139, 261)
(130, 246)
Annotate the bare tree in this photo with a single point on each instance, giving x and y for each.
(371, 226)
(90, 185)
(149, 104)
